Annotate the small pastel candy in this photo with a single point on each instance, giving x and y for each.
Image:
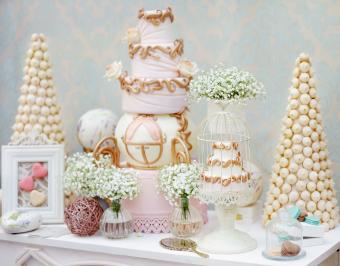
(39, 171)
(294, 212)
(27, 184)
(314, 220)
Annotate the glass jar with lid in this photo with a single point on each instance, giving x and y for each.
(284, 238)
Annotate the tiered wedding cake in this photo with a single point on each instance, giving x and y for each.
(225, 167)
(154, 125)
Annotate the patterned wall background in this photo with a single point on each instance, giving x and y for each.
(263, 37)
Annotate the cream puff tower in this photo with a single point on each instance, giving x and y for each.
(302, 171)
(154, 130)
(38, 109)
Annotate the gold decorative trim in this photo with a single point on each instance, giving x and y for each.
(179, 156)
(158, 17)
(226, 182)
(223, 146)
(135, 85)
(145, 51)
(183, 127)
(225, 164)
(108, 150)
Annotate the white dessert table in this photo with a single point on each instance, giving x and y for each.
(140, 249)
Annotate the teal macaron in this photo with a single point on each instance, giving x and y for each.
(294, 212)
(314, 220)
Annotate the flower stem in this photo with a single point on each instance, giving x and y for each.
(115, 206)
(185, 206)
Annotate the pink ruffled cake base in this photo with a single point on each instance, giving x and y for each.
(151, 211)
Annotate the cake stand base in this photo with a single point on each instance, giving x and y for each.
(227, 242)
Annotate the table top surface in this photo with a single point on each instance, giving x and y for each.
(147, 246)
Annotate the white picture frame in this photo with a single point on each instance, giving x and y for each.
(53, 157)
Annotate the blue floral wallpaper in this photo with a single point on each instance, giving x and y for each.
(263, 37)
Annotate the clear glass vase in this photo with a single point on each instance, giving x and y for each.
(185, 220)
(116, 222)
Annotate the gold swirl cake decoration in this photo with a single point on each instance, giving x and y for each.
(149, 51)
(157, 17)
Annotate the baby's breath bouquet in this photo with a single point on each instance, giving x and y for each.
(89, 177)
(225, 85)
(179, 182)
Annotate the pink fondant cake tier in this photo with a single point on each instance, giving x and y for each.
(150, 210)
(160, 65)
(156, 102)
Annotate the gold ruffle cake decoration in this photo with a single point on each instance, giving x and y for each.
(225, 164)
(183, 132)
(227, 181)
(225, 146)
(145, 51)
(157, 17)
(136, 85)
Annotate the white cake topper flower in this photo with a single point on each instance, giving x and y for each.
(113, 70)
(187, 68)
(132, 36)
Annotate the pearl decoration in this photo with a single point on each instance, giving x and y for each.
(307, 131)
(44, 47)
(302, 173)
(313, 124)
(26, 109)
(301, 204)
(26, 79)
(43, 83)
(291, 179)
(42, 120)
(304, 67)
(48, 101)
(41, 92)
(322, 155)
(300, 185)
(38, 55)
(325, 216)
(305, 99)
(293, 114)
(283, 162)
(313, 103)
(311, 83)
(307, 151)
(288, 153)
(305, 195)
(324, 194)
(37, 128)
(316, 196)
(28, 128)
(42, 74)
(311, 206)
(297, 148)
(299, 158)
(35, 109)
(33, 119)
(280, 149)
(287, 143)
(304, 77)
(297, 139)
(286, 188)
(49, 92)
(308, 163)
(39, 101)
(306, 141)
(312, 114)
(293, 196)
(303, 120)
(293, 167)
(47, 129)
(313, 176)
(43, 65)
(45, 110)
(296, 128)
(283, 199)
(311, 186)
(303, 109)
(316, 167)
(303, 88)
(284, 172)
(294, 104)
(316, 146)
(320, 186)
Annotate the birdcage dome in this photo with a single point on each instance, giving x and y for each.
(224, 154)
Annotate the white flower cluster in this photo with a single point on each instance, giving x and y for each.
(89, 177)
(179, 180)
(225, 85)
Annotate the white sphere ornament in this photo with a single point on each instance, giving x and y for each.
(294, 104)
(297, 139)
(303, 109)
(306, 141)
(93, 126)
(307, 151)
(308, 163)
(294, 93)
(313, 176)
(283, 199)
(300, 185)
(316, 196)
(307, 131)
(297, 128)
(311, 83)
(312, 114)
(303, 120)
(311, 186)
(293, 167)
(286, 188)
(293, 114)
(305, 195)
(302, 174)
(291, 179)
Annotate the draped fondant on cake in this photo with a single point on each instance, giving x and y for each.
(154, 61)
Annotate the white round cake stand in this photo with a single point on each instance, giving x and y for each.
(226, 239)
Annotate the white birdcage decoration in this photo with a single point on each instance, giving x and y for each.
(224, 154)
